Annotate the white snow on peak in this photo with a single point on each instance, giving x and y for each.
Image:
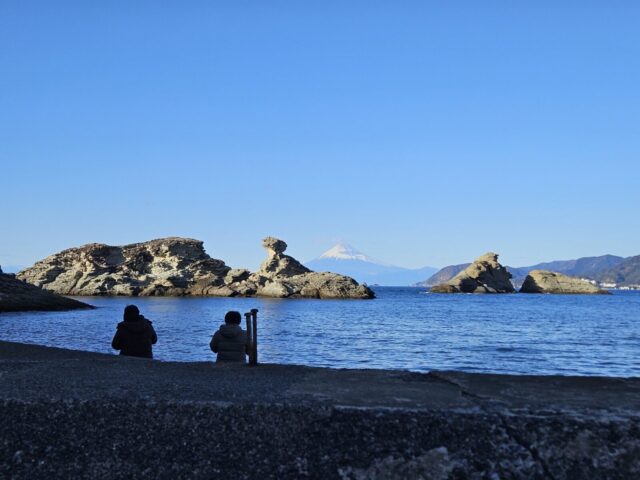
(344, 251)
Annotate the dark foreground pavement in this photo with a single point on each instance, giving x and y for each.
(69, 414)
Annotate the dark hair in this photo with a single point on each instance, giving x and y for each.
(233, 318)
(131, 313)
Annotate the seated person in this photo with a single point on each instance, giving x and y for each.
(230, 342)
(135, 335)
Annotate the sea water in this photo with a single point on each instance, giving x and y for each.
(403, 328)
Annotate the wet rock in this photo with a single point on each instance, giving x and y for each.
(543, 281)
(484, 275)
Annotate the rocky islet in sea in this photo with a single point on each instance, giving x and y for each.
(543, 281)
(17, 296)
(484, 275)
(487, 275)
(180, 266)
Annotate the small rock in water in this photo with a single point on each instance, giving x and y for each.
(484, 275)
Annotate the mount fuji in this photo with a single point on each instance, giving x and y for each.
(346, 260)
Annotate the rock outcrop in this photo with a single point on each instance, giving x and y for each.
(283, 276)
(484, 275)
(17, 296)
(169, 266)
(543, 281)
(180, 266)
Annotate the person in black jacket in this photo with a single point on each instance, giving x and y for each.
(135, 335)
(230, 342)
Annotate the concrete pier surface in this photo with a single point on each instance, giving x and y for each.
(73, 414)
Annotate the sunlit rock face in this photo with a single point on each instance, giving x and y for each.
(168, 266)
(180, 266)
(543, 281)
(484, 275)
(283, 276)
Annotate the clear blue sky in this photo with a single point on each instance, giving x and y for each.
(423, 133)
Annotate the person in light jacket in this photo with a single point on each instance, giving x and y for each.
(134, 335)
(230, 342)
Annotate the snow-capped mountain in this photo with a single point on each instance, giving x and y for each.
(343, 258)
(344, 251)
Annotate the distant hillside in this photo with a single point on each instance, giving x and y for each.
(626, 272)
(581, 267)
(443, 275)
(585, 267)
(346, 260)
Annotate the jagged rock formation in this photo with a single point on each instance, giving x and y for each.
(169, 266)
(180, 266)
(17, 296)
(484, 275)
(283, 276)
(543, 281)
(604, 268)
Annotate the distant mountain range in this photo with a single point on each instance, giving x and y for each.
(624, 273)
(604, 269)
(346, 260)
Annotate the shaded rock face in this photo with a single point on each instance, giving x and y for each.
(180, 266)
(543, 281)
(17, 296)
(484, 275)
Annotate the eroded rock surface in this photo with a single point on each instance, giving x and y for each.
(484, 275)
(168, 266)
(283, 276)
(543, 281)
(17, 296)
(180, 266)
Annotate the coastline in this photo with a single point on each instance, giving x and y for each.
(73, 413)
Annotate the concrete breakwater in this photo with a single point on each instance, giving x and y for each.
(76, 414)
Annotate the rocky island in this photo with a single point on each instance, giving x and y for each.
(543, 281)
(180, 266)
(18, 296)
(484, 275)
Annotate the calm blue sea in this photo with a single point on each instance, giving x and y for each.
(404, 328)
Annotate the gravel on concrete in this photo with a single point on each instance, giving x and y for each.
(70, 414)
